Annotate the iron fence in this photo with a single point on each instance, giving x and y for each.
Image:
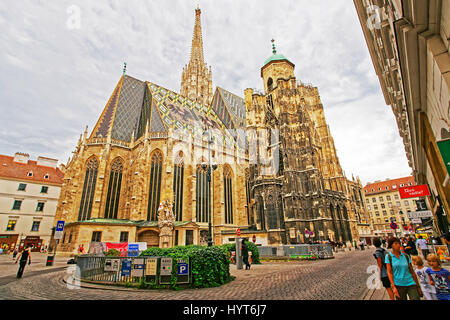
(323, 251)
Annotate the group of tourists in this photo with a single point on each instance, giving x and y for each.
(402, 280)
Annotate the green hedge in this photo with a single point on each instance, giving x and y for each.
(251, 247)
(210, 266)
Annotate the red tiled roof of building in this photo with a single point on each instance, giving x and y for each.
(388, 185)
(11, 169)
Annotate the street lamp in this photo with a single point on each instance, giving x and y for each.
(207, 132)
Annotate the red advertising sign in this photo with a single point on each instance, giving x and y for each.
(238, 232)
(414, 191)
(122, 247)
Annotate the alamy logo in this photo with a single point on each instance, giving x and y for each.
(374, 20)
(74, 19)
(373, 282)
(73, 281)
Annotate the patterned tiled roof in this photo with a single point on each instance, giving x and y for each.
(15, 170)
(134, 103)
(388, 185)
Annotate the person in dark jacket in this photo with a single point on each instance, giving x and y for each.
(23, 256)
(245, 255)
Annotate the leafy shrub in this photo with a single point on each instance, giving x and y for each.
(251, 248)
(210, 266)
(112, 253)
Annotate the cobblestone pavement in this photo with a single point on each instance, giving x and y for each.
(341, 278)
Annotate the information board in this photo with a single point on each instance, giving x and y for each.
(138, 268)
(112, 264)
(165, 271)
(151, 264)
(126, 268)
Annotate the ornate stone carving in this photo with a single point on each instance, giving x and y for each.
(166, 220)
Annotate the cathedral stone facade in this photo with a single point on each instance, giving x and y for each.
(274, 169)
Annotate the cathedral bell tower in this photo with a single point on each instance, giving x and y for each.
(276, 67)
(196, 79)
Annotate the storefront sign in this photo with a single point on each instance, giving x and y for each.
(420, 214)
(414, 191)
(151, 264)
(416, 220)
(444, 148)
(112, 264)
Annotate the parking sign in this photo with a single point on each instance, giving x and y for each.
(183, 268)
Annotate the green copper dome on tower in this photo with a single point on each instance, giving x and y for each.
(275, 56)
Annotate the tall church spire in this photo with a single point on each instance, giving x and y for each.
(196, 79)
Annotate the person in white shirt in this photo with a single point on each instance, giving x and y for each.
(422, 244)
(429, 291)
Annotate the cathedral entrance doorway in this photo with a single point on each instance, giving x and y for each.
(151, 237)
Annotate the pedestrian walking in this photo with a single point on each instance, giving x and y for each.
(80, 249)
(15, 253)
(439, 277)
(410, 248)
(23, 256)
(384, 242)
(428, 290)
(245, 256)
(380, 256)
(403, 279)
(422, 244)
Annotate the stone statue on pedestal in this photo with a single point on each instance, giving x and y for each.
(166, 220)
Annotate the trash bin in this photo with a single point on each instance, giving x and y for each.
(50, 260)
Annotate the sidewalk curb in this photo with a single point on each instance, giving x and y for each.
(96, 286)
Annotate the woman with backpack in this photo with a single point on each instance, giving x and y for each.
(380, 255)
(401, 274)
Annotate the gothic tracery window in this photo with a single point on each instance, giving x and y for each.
(228, 195)
(154, 192)
(178, 176)
(203, 194)
(113, 195)
(87, 197)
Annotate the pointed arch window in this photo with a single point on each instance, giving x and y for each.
(228, 192)
(203, 194)
(154, 191)
(178, 178)
(262, 218)
(271, 215)
(248, 197)
(113, 195)
(87, 197)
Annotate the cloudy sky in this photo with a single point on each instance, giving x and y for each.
(56, 78)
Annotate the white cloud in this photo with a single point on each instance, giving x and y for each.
(54, 81)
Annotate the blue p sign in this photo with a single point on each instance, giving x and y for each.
(183, 268)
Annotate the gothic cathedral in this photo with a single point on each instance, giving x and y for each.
(265, 163)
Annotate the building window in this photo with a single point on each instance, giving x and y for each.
(64, 237)
(178, 183)
(11, 225)
(17, 204)
(390, 204)
(400, 212)
(383, 206)
(401, 185)
(35, 226)
(87, 197)
(228, 196)
(379, 220)
(398, 204)
(374, 199)
(203, 194)
(367, 201)
(396, 196)
(391, 211)
(388, 198)
(384, 213)
(70, 238)
(30, 174)
(381, 198)
(271, 214)
(44, 189)
(154, 191)
(375, 207)
(377, 213)
(406, 203)
(368, 207)
(394, 186)
(386, 220)
(113, 195)
(46, 176)
(96, 236)
(124, 236)
(40, 206)
(22, 186)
